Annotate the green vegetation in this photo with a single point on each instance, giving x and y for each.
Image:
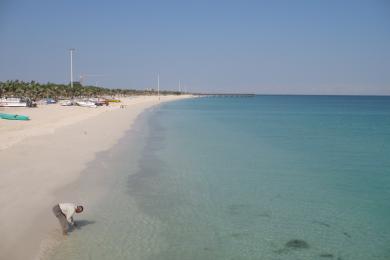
(35, 91)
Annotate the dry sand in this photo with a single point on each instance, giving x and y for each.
(43, 155)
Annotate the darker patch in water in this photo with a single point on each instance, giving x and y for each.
(236, 235)
(207, 249)
(347, 234)
(297, 244)
(326, 255)
(294, 244)
(239, 235)
(321, 223)
(264, 215)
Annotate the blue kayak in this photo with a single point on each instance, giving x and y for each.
(13, 117)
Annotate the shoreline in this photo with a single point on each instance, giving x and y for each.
(98, 188)
(37, 165)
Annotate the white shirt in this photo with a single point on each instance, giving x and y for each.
(68, 209)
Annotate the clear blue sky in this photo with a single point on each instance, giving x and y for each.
(311, 47)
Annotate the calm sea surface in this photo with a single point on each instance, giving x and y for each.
(268, 177)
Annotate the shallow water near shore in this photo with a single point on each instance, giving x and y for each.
(268, 177)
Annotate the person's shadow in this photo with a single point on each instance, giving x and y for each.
(81, 223)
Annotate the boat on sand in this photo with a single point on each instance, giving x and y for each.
(12, 102)
(66, 102)
(86, 104)
(14, 117)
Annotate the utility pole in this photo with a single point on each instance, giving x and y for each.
(71, 66)
(179, 86)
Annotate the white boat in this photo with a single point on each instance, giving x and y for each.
(66, 103)
(99, 101)
(12, 102)
(85, 104)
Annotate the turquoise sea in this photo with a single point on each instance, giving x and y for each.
(265, 177)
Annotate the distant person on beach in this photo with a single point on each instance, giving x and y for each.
(64, 212)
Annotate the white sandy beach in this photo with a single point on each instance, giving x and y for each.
(41, 156)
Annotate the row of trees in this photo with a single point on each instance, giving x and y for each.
(35, 91)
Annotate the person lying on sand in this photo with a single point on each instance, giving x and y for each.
(64, 212)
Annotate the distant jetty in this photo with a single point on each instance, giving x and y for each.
(225, 94)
